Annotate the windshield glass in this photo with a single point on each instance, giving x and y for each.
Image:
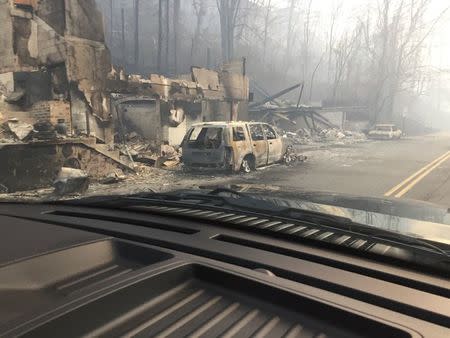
(270, 96)
(384, 128)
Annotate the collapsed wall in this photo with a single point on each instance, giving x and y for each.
(53, 71)
(54, 50)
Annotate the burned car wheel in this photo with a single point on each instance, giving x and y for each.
(247, 165)
(289, 157)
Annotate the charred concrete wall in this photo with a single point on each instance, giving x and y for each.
(84, 20)
(32, 166)
(62, 42)
(27, 42)
(7, 57)
(53, 13)
(142, 116)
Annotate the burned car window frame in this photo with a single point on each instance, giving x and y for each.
(238, 134)
(252, 132)
(267, 130)
(204, 143)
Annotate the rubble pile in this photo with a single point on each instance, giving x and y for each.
(332, 135)
(138, 149)
(143, 151)
(6, 136)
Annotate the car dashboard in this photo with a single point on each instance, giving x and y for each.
(71, 271)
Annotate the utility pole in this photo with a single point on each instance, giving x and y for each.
(136, 33)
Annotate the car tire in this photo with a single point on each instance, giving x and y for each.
(246, 165)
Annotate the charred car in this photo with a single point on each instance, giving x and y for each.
(385, 132)
(234, 146)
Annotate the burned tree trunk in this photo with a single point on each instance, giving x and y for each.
(200, 12)
(228, 12)
(266, 29)
(167, 16)
(176, 28)
(136, 33)
(124, 55)
(160, 32)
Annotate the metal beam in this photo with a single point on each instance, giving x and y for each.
(275, 96)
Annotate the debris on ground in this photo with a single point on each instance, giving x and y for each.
(3, 189)
(169, 158)
(146, 152)
(290, 158)
(70, 181)
(139, 149)
(113, 178)
(44, 130)
(331, 134)
(6, 136)
(20, 130)
(334, 136)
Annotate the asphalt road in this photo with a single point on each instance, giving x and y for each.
(413, 167)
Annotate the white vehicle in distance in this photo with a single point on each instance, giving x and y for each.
(385, 132)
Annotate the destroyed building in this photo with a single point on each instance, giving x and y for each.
(53, 69)
(53, 64)
(62, 103)
(162, 109)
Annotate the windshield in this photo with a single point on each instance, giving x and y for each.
(384, 128)
(286, 96)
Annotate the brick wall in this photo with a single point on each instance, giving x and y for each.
(40, 111)
(60, 110)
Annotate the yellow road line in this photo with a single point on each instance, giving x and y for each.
(419, 178)
(413, 176)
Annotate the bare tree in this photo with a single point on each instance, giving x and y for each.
(136, 32)
(267, 21)
(290, 33)
(331, 38)
(395, 45)
(228, 12)
(199, 7)
(160, 34)
(167, 35)
(176, 29)
(306, 40)
(313, 75)
(343, 52)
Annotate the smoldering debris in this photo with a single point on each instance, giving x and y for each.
(71, 181)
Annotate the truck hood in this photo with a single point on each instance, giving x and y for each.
(409, 217)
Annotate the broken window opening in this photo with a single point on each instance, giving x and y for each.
(238, 134)
(206, 138)
(270, 133)
(257, 132)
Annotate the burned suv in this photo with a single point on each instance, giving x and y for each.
(234, 146)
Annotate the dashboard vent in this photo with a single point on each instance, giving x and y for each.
(287, 230)
(127, 220)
